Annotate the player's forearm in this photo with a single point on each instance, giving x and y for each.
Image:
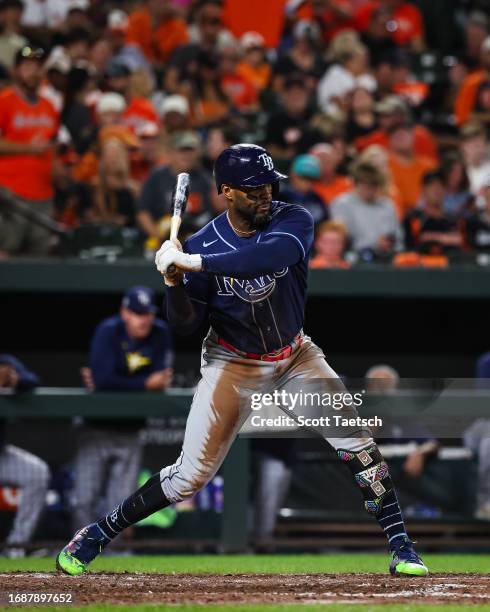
(181, 312)
(254, 260)
(115, 382)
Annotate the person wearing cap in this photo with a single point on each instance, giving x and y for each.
(406, 167)
(254, 67)
(138, 108)
(11, 40)
(370, 217)
(28, 129)
(175, 114)
(287, 125)
(391, 111)
(129, 352)
(155, 202)
(467, 97)
(305, 171)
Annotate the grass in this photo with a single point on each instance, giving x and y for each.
(264, 564)
(230, 564)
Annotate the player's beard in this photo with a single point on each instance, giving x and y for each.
(256, 220)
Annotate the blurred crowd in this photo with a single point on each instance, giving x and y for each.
(378, 110)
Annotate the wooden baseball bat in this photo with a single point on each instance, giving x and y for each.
(179, 204)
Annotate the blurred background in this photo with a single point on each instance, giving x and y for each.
(378, 111)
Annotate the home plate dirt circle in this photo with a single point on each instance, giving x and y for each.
(138, 588)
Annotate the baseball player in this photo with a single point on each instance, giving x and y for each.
(247, 272)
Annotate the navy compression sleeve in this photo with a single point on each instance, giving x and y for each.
(183, 314)
(255, 259)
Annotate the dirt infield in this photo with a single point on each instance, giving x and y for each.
(255, 588)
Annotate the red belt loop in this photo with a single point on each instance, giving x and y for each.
(282, 353)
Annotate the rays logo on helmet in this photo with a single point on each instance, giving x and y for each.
(249, 290)
(267, 161)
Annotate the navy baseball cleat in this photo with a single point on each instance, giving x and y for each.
(405, 561)
(81, 550)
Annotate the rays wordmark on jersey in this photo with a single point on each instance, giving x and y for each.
(249, 290)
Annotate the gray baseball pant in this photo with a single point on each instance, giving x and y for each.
(31, 475)
(220, 407)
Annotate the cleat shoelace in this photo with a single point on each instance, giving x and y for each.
(405, 552)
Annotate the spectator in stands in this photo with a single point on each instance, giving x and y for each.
(149, 154)
(207, 30)
(114, 46)
(156, 30)
(129, 352)
(175, 114)
(110, 109)
(287, 125)
(28, 130)
(330, 245)
(241, 93)
(305, 170)
(209, 102)
(378, 156)
(114, 190)
(331, 184)
(361, 118)
(19, 468)
(477, 223)
(75, 47)
(349, 71)
(155, 202)
(377, 36)
(208, 35)
(392, 111)
(466, 105)
(407, 168)
(139, 109)
(475, 32)
(254, 67)
(429, 229)
(406, 22)
(369, 217)
(76, 115)
(456, 184)
(303, 58)
(11, 39)
(475, 149)
(331, 16)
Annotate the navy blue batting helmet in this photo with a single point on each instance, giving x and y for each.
(245, 165)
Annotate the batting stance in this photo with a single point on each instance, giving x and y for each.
(247, 271)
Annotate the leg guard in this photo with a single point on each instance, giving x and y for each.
(371, 474)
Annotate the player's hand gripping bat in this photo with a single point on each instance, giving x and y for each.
(180, 197)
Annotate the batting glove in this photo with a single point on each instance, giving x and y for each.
(168, 254)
